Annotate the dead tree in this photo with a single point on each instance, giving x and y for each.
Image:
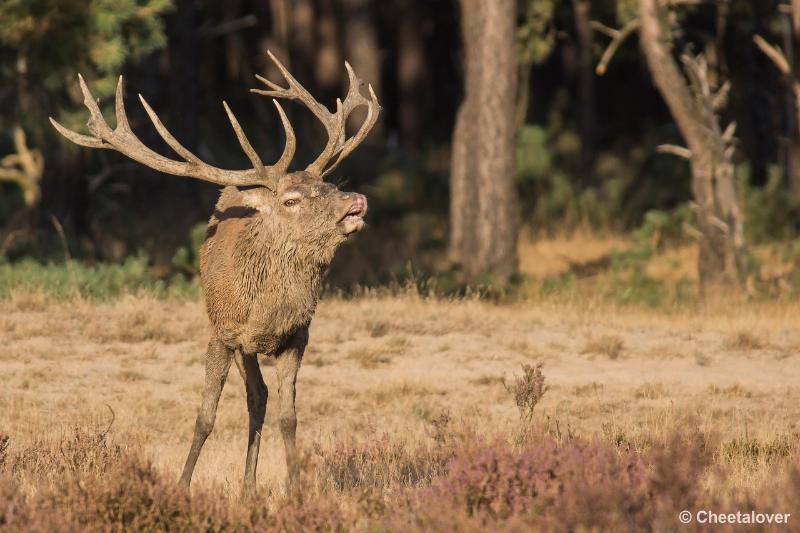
(24, 168)
(483, 196)
(268, 244)
(789, 71)
(694, 104)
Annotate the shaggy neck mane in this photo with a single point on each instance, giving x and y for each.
(270, 265)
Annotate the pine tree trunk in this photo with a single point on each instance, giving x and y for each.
(586, 76)
(719, 219)
(483, 189)
(410, 77)
(363, 53)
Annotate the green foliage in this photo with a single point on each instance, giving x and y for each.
(769, 211)
(626, 11)
(44, 43)
(536, 34)
(660, 228)
(102, 281)
(187, 258)
(550, 193)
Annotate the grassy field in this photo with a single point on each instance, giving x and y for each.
(399, 399)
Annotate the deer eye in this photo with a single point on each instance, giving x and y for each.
(291, 202)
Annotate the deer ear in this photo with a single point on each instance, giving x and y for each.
(258, 198)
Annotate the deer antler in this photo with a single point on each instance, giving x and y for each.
(334, 122)
(123, 140)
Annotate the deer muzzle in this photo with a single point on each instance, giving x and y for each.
(353, 218)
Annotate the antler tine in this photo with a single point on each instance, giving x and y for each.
(318, 165)
(352, 143)
(334, 123)
(166, 135)
(97, 124)
(124, 141)
(295, 91)
(94, 110)
(291, 143)
(354, 97)
(119, 109)
(243, 141)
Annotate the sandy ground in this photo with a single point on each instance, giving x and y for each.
(380, 365)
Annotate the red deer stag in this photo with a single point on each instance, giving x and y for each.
(268, 244)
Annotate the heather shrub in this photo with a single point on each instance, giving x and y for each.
(380, 463)
(134, 497)
(543, 484)
(454, 481)
(80, 451)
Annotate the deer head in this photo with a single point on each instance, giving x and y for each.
(272, 190)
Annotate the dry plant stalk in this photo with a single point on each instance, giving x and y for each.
(528, 390)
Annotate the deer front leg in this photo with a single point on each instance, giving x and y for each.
(256, 409)
(218, 362)
(287, 365)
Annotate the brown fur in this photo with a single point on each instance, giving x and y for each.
(261, 267)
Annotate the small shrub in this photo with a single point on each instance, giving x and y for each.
(527, 390)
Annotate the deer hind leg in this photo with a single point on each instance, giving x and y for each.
(256, 409)
(218, 362)
(287, 366)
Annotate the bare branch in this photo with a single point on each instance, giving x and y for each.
(675, 150)
(730, 131)
(692, 231)
(720, 98)
(605, 30)
(774, 53)
(618, 37)
(719, 224)
(25, 168)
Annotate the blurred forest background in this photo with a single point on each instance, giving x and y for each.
(672, 123)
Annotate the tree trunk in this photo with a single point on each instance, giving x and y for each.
(586, 75)
(363, 53)
(793, 103)
(328, 60)
(410, 79)
(483, 207)
(719, 219)
(184, 83)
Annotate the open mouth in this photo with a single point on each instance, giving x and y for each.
(355, 212)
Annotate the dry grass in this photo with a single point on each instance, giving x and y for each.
(611, 346)
(744, 340)
(395, 367)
